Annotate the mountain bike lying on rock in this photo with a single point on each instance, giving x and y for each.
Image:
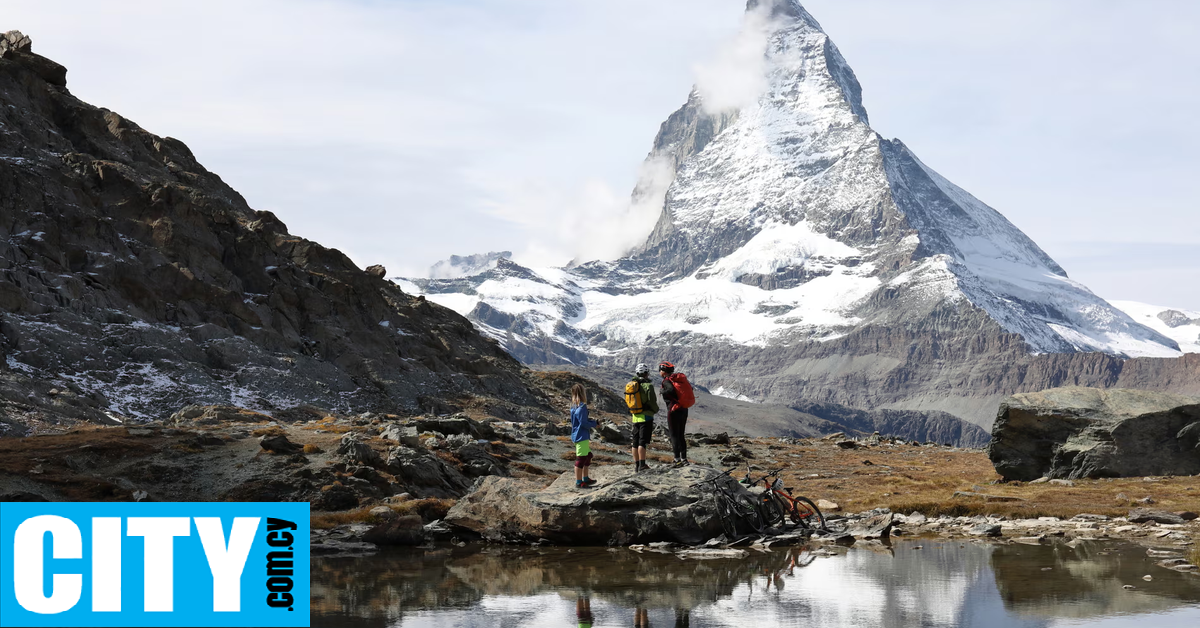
(777, 502)
(739, 512)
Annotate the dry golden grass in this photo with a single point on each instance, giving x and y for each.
(528, 468)
(429, 509)
(924, 479)
(327, 520)
(312, 449)
(269, 431)
(328, 424)
(448, 457)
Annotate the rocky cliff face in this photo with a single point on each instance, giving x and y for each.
(1076, 433)
(133, 281)
(802, 258)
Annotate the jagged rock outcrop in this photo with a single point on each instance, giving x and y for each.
(1090, 433)
(133, 282)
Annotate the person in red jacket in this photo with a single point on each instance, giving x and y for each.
(676, 415)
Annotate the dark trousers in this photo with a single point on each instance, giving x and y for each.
(676, 422)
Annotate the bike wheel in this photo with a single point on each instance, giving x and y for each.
(807, 514)
(725, 514)
(747, 511)
(773, 509)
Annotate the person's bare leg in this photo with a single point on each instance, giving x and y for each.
(578, 474)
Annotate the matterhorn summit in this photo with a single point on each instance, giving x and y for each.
(800, 256)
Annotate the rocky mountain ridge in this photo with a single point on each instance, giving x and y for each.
(133, 282)
(802, 258)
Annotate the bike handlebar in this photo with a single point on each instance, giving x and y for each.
(771, 474)
(713, 479)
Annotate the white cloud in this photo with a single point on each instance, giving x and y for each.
(737, 74)
(590, 222)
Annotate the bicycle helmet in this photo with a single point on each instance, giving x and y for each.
(666, 367)
(641, 369)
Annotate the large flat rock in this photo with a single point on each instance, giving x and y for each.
(1090, 433)
(658, 505)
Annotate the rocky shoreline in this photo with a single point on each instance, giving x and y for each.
(1168, 537)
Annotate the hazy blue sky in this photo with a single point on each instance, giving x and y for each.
(403, 131)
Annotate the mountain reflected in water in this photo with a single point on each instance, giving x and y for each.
(949, 584)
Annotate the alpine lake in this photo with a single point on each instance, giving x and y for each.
(911, 582)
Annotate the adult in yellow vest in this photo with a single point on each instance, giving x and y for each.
(642, 403)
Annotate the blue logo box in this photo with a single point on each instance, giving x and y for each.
(154, 564)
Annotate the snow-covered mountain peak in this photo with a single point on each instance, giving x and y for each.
(788, 226)
(783, 10)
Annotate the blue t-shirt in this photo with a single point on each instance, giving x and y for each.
(581, 425)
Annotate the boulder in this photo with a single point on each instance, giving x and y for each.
(335, 497)
(407, 435)
(1073, 433)
(874, 527)
(714, 439)
(424, 474)
(279, 444)
(611, 433)
(623, 508)
(477, 462)
(376, 270)
(15, 41)
(556, 429)
(457, 424)
(986, 529)
(1145, 515)
(383, 513)
(355, 451)
(407, 530)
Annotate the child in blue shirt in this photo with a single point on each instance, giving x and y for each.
(581, 434)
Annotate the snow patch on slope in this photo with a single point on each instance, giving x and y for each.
(779, 245)
(1187, 334)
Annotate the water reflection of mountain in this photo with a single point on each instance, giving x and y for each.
(1087, 580)
(942, 584)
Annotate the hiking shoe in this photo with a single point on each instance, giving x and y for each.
(589, 482)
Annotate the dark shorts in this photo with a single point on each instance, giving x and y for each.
(642, 433)
(583, 461)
